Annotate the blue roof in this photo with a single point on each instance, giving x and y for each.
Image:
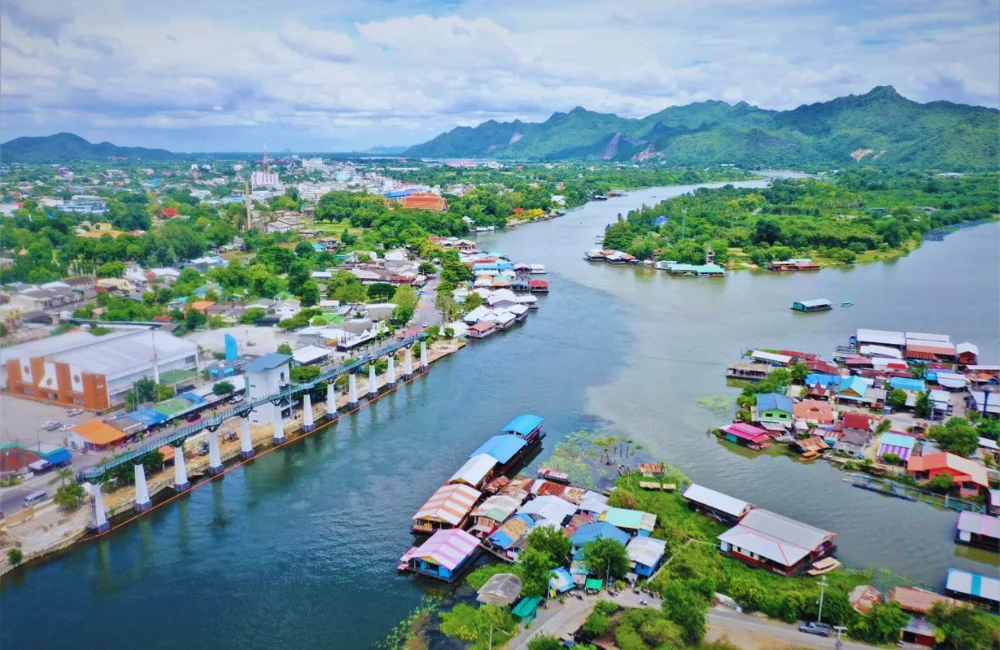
(501, 447)
(906, 383)
(192, 397)
(523, 424)
(773, 402)
(855, 383)
(502, 539)
(57, 456)
(814, 378)
(898, 440)
(563, 578)
(598, 530)
(267, 362)
(148, 416)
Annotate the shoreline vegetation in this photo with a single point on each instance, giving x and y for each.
(836, 220)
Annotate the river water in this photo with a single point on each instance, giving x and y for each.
(299, 548)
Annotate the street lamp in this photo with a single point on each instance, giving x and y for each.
(822, 591)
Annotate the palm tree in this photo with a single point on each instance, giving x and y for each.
(65, 474)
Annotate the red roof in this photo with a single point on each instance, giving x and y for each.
(170, 212)
(858, 421)
(818, 365)
(962, 469)
(483, 326)
(538, 283)
(746, 432)
(809, 356)
(424, 201)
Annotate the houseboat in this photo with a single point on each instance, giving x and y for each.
(600, 197)
(748, 371)
(529, 301)
(538, 286)
(803, 264)
(809, 306)
(538, 269)
(505, 319)
(697, 270)
(978, 530)
(449, 507)
(526, 426)
(443, 556)
(974, 587)
(594, 255)
(746, 435)
(554, 475)
(767, 540)
(482, 329)
(729, 510)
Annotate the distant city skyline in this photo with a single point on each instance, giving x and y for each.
(315, 76)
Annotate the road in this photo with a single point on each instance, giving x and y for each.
(745, 631)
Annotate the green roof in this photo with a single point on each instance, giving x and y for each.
(594, 583)
(631, 519)
(527, 606)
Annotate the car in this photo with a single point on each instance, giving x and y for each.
(74, 412)
(193, 417)
(50, 425)
(819, 629)
(65, 427)
(237, 399)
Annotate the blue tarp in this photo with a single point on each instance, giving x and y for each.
(906, 383)
(826, 381)
(598, 530)
(57, 456)
(523, 424)
(148, 417)
(502, 539)
(773, 402)
(192, 397)
(502, 447)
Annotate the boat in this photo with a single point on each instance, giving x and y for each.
(600, 197)
(554, 475)
(810, 455)
(826, 565)
(809, 306)
(847, 303)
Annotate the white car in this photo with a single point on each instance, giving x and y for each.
(237, 399)
(74, 412)
(50, 425)
(65, 427)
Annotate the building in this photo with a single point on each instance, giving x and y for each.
(424, 201)
(746, 435)
(634, 522)
(853, 388)
(727, 509)
(264, 180)
(646, 555)
(772, 407)
(266, 375)
(973, 587)
(476, 471)
(968, 354)
(916, 601)
(95, 435)
(900, 444)
(594, 531)
(769, 541)
(443, 556)
(93, 372)
(813, 412)
(449, 507)
(970, 477)
(771, 358)
(978, 530)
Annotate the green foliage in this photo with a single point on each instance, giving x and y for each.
(406, 301)
(345, 287)
(111, 270)
(284, 348)
(544, 642)
(596, 625)
(472, 301)
(474, 625)
(892, 459)
(309, 293)
(534, 567)
(956, 435)
(69, 496)
(143, 390)
(881, 624)
(896, 398)
(965, 627)
(305, 374)
(777, 381)
(478, 576)
(426, 268)
(687, 609)
(941, 483)
(381, 292)
(223, 388)
(15, 556)
(606, 557)
(799, 372)
(551, 541)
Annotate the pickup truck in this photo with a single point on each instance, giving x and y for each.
(819, 629)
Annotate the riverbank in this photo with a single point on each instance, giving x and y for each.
(46, 530)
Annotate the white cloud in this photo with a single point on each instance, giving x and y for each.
(355, 73)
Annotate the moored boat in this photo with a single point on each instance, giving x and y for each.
(554, 475)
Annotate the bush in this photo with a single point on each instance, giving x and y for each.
(69, 496)
(15, 556)
(223, 388)
(941, 483)
(597, 625)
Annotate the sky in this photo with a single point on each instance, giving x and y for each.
(316, 75)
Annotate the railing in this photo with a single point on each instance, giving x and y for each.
(241, 409)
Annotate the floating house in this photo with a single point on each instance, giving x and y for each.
(526, 426)
(748, 371)
(968, 354)
(897, 443)
(646, 555)
(968, 475)
(492, 512)
(507, 450)
(538, 286)
(771, 358)
(449, 507)
(511, 535)
(697, 270)
(746, 435)
(770, 541)
(809, 306)
(916, 601)
(880, 337)
(443, 556)
(634, 522)
(548, 510)
(978, 530)
(773, 407)
(801, 264)
(727, 509)
(482, 329)
(976, 588)
(476, 472)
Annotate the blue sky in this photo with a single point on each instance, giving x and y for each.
(324, 76)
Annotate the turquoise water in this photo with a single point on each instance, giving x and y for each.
(299, 548)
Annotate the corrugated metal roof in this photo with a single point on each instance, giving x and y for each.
(646, 550)
(973, 584)
(598, 530)
(978, 524)
(474, 470)
(450, 504)
(717, 500)
(447, 548)
(883, 337)
(784, 529)
(267, 362)
(630, 519)
(524, 424)
(502, 447)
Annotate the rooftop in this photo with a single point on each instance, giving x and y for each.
(716, 500)
(267, 362)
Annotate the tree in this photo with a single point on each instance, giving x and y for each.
(309, 293)
(381, 291)
(69, 496)
(426, 268)
(111, 270)
(15, 556)
(884, 425)
(685, 608)
(143, 390)
(223, 388)
(252, 315)
(881, 624)
(896, 398)
(941, 483)
(302, 374)
(606, 557)
(193, 319)
(892, 459)
(164, 392)
(284, 348)
(534, 568)
(406, 301)
(956, 435)
(551, 541)
(799, 372)
(597, 625)
(964, 627)
(544, 642)
(472, 301)
(923, 408)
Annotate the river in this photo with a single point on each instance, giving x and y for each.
(299, 548)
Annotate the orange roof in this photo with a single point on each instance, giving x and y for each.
(202, 305)
(424, 201)
(811, 409)
(917, 601)
(99, 432)
(167, 451)
(960, 467)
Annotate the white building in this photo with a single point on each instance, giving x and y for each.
(265, 376)
(265, 180)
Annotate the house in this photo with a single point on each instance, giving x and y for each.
(918, 632)
(424, 201)
(813, 412)
(443, 556)
(727, 509)
(548, 509)
(908, 384)
(863, 597)
(646, 555)
(853, 388)
(770, 541)
(286, 308)
(857, 421)
(482, 329)
(449, 507)
(968, 354)
(900, 444)
(476, 471)
(634, 522)
(771, 358)
(970, 476)
(976, 588)
(916, 601)
(95, 435)
(978, 530)
(594, 531)
(746, 435)
(852, 442)
(773, 407)
(512, 534)
(492, 512)
(994, 506)
(202, 305)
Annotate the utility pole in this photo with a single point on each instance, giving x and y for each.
(822, 592)
(684, 215)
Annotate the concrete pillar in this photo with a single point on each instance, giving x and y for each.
(99, 521)
(181, 481)
(246, 442)
(424, 363)
(391, 372)
(352, 391)
(408, 364)
(372, 386)
(142, 501)
(214, 457)
(279, 427)
(331, 400)
(307, 412)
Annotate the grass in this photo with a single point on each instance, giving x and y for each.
(336, 228)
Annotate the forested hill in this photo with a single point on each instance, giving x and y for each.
(68, 147)
(880, 127)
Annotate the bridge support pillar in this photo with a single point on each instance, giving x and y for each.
(181, 481)
(391, 372)
(246, 442)
(99, 520)
(279, 427)
(331, 400)
(352, 391)
(372, 386)
(424, 363)
(408, 364)
(142, 501)
(307, 412)
(214, 457)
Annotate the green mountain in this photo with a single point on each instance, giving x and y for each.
(880, 127)
(66, 147)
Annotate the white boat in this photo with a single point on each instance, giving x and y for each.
(538, 269)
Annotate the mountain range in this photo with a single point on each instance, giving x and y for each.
(880, 126)
(68, 147)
